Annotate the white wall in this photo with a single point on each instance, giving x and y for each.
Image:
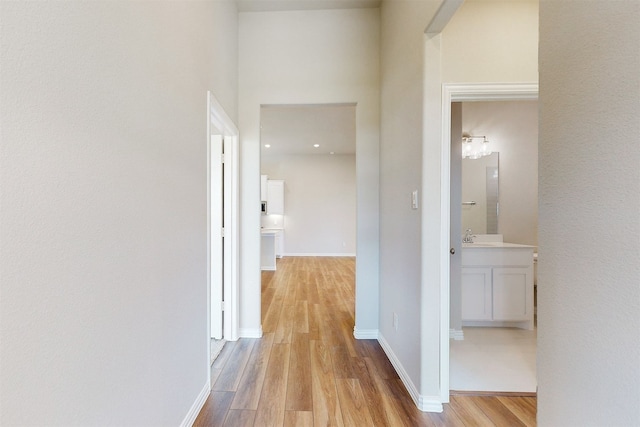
(512, 129)
(492, 41)
(311, 57)
(103, 201)
(319, 202)
(589, 268)
(403, 24)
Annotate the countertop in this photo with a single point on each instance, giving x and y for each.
(504, 245)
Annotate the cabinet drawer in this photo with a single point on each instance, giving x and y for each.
(496, 257)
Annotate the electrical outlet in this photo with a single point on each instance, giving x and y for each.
(395, 321)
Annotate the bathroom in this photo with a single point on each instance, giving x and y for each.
(494, 356)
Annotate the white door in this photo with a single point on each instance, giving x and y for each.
(455, 226)
(216, 189)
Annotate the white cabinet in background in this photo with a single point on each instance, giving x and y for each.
(476, 294)
(263, 188)
(279, 243)
(497, 285)
(510, 293)
(275, 197)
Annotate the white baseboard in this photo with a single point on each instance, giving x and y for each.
(322, 254)
(365, 334)
(250, 332)
(424, 403)
(191, 416)
(263, 268)
(456, 334)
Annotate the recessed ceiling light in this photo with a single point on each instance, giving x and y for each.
(316, 145)
(267, 145)
(331, 152)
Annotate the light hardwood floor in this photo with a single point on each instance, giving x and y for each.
(308, 370)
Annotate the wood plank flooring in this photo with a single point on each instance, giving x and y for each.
(308, 370)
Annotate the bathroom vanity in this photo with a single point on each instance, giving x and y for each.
(497, 284)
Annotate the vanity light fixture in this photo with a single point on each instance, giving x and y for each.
(474, 146)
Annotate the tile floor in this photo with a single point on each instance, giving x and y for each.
(494, 359)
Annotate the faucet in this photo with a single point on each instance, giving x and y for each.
(468, 236)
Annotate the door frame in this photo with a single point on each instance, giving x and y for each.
(219, 123)
(455, 92)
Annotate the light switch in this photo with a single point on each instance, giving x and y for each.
(414, 199)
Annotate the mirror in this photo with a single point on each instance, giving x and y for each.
(480, 205)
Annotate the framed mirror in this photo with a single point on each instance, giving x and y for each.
(480, 194)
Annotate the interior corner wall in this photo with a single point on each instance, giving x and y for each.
(103, 316)
(589, 265)
(319, 202)
(311, 57)
(512, 129)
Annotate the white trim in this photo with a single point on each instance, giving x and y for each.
(454, 92)
(459, 92)
(442, 17)
(424, 403)
(250, 332)
(456, 335)
(430, 404)
(195, 409)
(365, 334)
(219, 123)
(321, 254)
(232, 237)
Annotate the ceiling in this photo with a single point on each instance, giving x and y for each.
(294, 129)
(280, 5)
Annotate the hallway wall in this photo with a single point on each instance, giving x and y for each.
(103, 233)
(589, 306)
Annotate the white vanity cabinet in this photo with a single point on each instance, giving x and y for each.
(497, 285)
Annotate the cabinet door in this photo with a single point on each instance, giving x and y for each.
(476, 293)
(275, 194)
(263, 188)
(511, 299)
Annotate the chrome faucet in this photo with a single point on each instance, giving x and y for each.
(468, 236)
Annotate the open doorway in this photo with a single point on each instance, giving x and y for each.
(461, 93)
(494, 202)
(222, 228)
(308, 185)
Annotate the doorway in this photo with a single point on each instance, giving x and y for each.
(308, 169)
(493, 194)
(222, 226)
(461, 93)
